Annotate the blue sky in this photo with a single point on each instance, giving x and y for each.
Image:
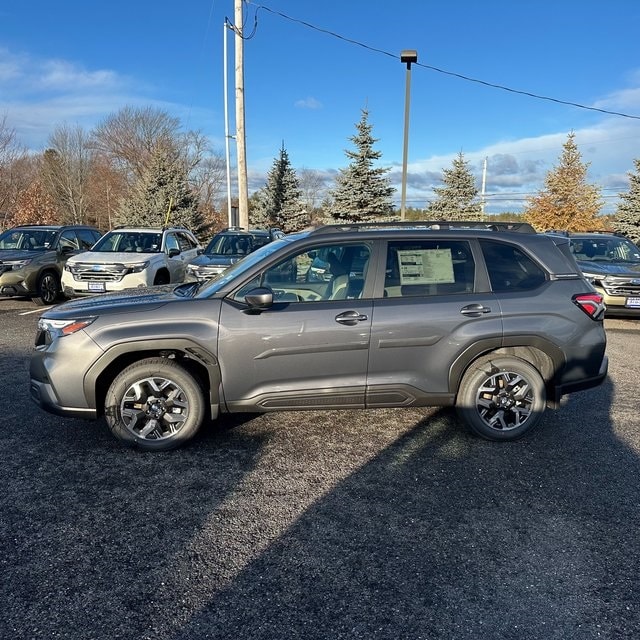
(76, 62)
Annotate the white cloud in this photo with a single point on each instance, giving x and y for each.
(308, 103)
(59, 75)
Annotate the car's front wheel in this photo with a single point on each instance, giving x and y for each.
(501, 398)
(47, 289)
(154, 404)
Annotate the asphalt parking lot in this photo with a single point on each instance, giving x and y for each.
(393, 524)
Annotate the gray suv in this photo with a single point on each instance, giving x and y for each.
(32, 258)
(496, 322)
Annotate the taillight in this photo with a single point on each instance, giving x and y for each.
(591, 303)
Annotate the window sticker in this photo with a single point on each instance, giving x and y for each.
(426, 266)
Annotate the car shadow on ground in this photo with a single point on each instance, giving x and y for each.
(443, 535)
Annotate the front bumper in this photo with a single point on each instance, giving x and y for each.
(44, 396)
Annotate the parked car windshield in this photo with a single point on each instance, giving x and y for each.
(236, 270)
(28, 239)
(130, 242)
(229, 244)
(606, 249)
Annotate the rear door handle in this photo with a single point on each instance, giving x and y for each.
(475, 310)
(351, 318)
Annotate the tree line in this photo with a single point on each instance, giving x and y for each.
(138, 167)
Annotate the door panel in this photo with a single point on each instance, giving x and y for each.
(295, 354)
(415, 340)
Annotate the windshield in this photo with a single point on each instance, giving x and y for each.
(28, 239)
(129, 242)
(229, 244)
(605, 249)
(235, 271)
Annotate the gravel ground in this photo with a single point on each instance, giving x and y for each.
(392, 524)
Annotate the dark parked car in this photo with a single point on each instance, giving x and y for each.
(499, 324)
(226, 248)
(32, 258)
(611, 262)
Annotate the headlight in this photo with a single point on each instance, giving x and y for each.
(593, 278)
(60, 328)
(18, 264)
(137, 267)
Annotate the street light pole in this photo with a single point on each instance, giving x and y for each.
(407, 57)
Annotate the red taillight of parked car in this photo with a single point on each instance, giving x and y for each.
(591, 303)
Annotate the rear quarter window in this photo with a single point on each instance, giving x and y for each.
(510, 269)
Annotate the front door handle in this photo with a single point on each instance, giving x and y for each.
(351, 318)
(475, 310)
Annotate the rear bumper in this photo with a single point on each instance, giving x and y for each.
(580, 385)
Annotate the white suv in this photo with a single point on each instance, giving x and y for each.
(130, 257)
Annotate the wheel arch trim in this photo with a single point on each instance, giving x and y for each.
(104, 369)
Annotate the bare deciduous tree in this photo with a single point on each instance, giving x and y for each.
(66, 169)
(12, 157)
(312, 187)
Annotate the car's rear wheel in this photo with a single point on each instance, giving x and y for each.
(154, 404)
(501, 398)
(47, 289)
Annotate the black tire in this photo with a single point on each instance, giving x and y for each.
(154, 404)
(501, 398)
(47, 289)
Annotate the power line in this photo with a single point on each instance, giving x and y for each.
(432, 68)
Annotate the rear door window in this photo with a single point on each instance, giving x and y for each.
(428, 268)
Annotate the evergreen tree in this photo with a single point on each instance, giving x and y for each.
(458, 198)
(567, 202)
(161, 197)
(279, 203)
(627, 218)
(362, 192)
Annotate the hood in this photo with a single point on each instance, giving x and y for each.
(117, 302)
(215, 259)
(631, 269)
(110, 257)
(7, 255)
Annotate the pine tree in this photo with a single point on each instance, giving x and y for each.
(458, 198)
(362, 192)
(161, 197)
(279, 203)
(567, 202)
(627, 218)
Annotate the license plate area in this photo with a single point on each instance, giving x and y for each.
(96, 287)
(633, 302)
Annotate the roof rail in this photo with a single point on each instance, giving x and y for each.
(577, 233)
(431, 225)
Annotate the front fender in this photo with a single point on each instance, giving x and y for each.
(116, 358)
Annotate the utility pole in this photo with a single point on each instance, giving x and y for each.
(227, 135)
(241, 146)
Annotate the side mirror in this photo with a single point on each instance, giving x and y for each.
(259, 299)
(200, 251)
(174, 252)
